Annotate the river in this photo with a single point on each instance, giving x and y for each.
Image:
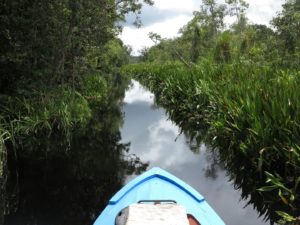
(52, 181)
(157, 140)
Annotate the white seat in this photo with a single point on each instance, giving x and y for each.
(153, 214)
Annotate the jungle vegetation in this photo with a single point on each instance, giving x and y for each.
(236, 88)
(54, 57)
(59, 81)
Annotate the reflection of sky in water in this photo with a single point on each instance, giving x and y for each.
(152, 138)
(138, 94)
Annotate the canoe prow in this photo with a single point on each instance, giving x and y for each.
(157, 184)
(158, 173)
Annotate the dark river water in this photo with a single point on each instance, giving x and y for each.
(156, 140)
(52, 180)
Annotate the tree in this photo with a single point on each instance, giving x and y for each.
(237, 8)
(287, 25)
(47, 41)
(211, 17)
(200, 34)
(195, 51)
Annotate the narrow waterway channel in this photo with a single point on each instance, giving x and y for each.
(53, 181)
(156, 140)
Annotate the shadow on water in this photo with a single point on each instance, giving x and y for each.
(53, 181)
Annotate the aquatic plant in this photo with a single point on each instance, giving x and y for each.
(249, 113)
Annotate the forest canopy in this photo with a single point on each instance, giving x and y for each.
(49, 52)
(207, 36)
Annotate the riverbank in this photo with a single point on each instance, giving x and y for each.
(57, 177)
(249, 113)
(38, 127)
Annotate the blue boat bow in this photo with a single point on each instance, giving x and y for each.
(157, 184)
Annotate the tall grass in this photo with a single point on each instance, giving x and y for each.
(250, 114)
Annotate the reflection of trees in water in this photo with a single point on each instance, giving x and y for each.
(56, 186)
(240, 169)
(214, 165)
(242, 172)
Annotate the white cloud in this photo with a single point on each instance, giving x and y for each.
(186, 6)
(260, 12)
(138, 38)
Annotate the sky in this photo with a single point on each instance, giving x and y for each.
(166, 17)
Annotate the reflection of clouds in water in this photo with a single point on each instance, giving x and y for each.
(163, 150)
(137, 93)
(152, 138)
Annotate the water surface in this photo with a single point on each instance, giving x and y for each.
(156, 140)
(53, 181)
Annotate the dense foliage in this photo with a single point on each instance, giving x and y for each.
(59, 66)
(50, 49)
(57, 57)
(206, 37)
(56, 181)
(236, 89)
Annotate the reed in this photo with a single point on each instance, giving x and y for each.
(250, 113)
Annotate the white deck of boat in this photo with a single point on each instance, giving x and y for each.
(149, 214)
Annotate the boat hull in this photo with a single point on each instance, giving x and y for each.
(157, 184)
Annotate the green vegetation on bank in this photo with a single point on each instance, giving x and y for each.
(250, 114)
(58, 58)
(59, 68)
(237, 90)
